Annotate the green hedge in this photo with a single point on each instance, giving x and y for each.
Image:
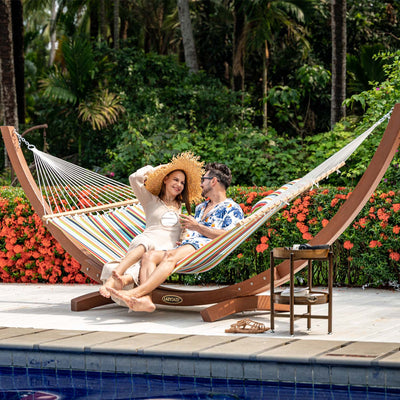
(367, 253)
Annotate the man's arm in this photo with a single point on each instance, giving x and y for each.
(188, 222)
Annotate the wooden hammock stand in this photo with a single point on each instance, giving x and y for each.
(243, 296)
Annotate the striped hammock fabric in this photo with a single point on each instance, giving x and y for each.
(107, 235)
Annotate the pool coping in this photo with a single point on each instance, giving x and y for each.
(243, 357)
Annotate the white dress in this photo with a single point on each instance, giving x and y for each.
(162, 230)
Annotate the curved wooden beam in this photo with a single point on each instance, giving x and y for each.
(90, 265)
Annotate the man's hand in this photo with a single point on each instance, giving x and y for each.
(188, 222)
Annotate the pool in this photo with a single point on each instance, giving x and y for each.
(35, 384)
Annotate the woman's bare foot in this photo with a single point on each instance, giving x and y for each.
(111, 282)
(122, 280)
(143, 303)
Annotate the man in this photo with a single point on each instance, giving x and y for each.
(212, 218)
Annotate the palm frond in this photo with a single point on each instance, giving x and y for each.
(101, 109)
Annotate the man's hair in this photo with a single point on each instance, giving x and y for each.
(219, 171)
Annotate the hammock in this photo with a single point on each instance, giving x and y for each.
(94, 222)
(96, 215)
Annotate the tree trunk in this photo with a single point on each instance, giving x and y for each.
(339, 48)
(53, 32)
(19, 62)
(187, 36)
(102, 17)
(116, 24)
(7, 86)
(265, 87)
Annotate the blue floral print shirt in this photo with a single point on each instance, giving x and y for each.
(224, 215)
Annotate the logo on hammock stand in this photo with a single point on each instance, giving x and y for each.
(172, 299)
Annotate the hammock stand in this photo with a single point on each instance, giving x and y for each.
(243, 296)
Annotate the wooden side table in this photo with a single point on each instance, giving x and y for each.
(314, 297)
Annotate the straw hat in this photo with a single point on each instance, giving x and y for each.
(186, 162)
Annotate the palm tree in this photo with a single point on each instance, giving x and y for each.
(264, 20)
(8, 94)
(187, 35)
(339, 49)
(73, 82)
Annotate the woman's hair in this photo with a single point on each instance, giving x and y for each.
(181, 197)
(219, 171)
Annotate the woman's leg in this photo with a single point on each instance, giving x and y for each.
(139, 298)
(129, 259)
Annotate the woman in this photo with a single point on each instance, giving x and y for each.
(161, 192)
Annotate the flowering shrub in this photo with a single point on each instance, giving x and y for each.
(367, 253)
(28, 252)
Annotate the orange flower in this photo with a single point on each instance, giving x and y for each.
(396, 229)
(334, 202)
(260, 248)
(348, 245)
(307, 236)
(375, 243)
(263, 239)
(240, 255)
(324, 222)
(394, 256)
(301, 217)
(396, 207)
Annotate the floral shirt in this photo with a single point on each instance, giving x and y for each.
(224, 215)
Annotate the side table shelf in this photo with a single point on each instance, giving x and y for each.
(314, 297)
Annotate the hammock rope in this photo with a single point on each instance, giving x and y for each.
(107, 234)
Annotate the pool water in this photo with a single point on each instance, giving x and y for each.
(34, 384)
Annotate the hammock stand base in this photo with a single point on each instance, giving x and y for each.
(231, 299)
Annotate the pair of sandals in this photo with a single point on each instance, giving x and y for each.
(247, 326)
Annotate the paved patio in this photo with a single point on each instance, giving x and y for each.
(38, 330)
(358, 315)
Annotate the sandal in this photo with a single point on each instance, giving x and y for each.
(247, 326)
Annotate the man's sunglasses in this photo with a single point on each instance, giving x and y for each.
(205, 177)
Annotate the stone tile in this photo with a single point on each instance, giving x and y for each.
(84, 341)
(321, 374)
(376, 377)
(32, 340)
(138, 364)
(392, 378)
(286, 372)
(219, 369)
(340, 375)
(252, 370)
(235, 369)
(135, 344)
(6, 333)
(243, 348)
(19, 358)
(107, 363)
(170, 366)
(299, 350)
(270, 371)
(202, 368)
(304, 373)
(155, 365)
(5, 358)
(390, 360)
(123, 363)
(358, 353)
(186, 367)
(77, 361)
(191, 345)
